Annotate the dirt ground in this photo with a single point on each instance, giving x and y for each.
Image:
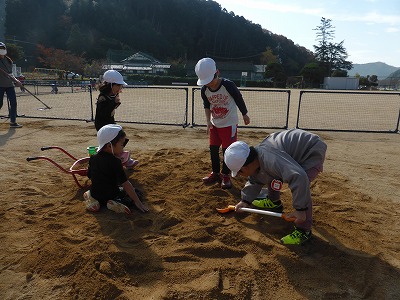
(52, 248)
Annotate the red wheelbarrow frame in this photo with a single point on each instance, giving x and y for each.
(73, 170)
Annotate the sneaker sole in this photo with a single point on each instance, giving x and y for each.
(91, 204)
(118, 207)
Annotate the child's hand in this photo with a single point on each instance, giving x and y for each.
(299, 215)
(240, 205)
(117, 99)
(141, 206)
(209, 126)
(246, 120)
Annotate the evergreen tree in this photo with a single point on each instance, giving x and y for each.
(170, 30)
(331, 56)
(276, 73)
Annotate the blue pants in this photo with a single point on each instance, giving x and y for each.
(10, 91)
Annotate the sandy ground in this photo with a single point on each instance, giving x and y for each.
(52, 248)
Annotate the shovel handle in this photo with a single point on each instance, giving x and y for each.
(268, 213)
(257, 211)
(261, 212)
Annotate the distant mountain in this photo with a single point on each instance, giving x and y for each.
(391, 82)
(379, 69)
(395, 74)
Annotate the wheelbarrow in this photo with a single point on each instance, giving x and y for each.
(79, 167)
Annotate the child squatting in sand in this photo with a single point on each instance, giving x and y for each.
(110, 185)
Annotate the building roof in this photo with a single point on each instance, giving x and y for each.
(140, 59)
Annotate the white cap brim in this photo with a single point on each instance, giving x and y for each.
(121, 82)
(205, 81)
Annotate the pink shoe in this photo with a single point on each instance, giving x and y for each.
(212, 178)
(131, 163)
(226, 181)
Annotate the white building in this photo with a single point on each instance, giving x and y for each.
(139, 63)
(341, 83)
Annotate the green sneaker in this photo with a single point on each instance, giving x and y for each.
(297, 237)
(268, 204)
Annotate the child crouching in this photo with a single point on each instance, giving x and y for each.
(110, 185)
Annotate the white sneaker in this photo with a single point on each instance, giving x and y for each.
(118, 207)
(91, 203)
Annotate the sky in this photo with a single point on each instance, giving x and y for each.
(370, 29)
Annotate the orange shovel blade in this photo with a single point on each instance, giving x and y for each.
(226, 209)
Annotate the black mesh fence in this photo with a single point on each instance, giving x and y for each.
(43, 87)
(317, 110)
(154, 105)
(266, 108)
(349, 111)
(142, 105)
(33, 103)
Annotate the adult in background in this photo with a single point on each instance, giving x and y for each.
(292, 156)
(7, 81)
(221, 98)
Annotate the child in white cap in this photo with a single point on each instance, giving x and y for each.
(108, 101)
(221, 98)
(110, 185)
(292, 156)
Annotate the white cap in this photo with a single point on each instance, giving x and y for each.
(3, 49)
(112, 76)
(106, 134)
(205, 70)
(236, 155)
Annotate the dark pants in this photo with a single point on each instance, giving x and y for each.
(312, 174)
(216, 162)
(10, 91)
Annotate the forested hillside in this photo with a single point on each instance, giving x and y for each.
(171, 30)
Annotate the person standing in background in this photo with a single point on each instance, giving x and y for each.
(7, 82)
(108, 101)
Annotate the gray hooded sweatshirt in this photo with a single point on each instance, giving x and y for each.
(284, 158)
